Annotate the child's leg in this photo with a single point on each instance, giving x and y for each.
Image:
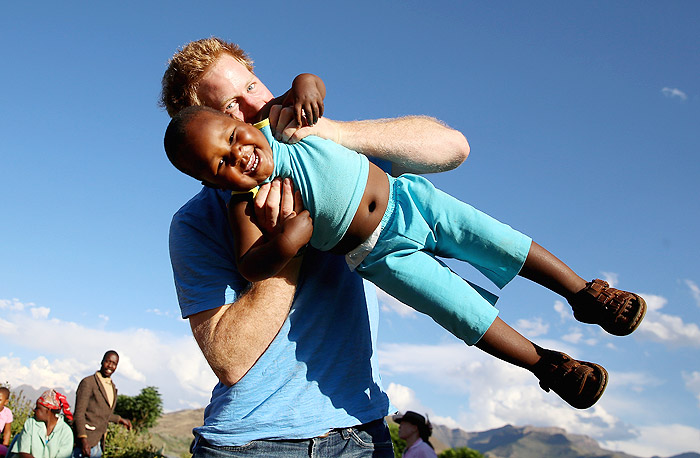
(544, 268)
(618, 312)
(579, 383)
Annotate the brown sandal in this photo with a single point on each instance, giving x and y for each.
(618, 312)
(579, 383)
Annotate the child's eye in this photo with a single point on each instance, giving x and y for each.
(230, 139)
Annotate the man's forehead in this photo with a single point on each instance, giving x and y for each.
(224, 79)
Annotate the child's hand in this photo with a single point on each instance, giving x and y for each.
(296, 231)
(306, 96)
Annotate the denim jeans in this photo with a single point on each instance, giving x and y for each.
(95, 452)
(370, 440)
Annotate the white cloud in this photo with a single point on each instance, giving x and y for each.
(497, 393)
(404, 398)
(532, 328)
(391, 304)
(659, 440)
(564, 310)
(60, 353)
(664, 328)
(694, 290)
(13, 305)
(58, 373)
(573, 337)
(674, 92)
(39, 313)
(692, 382)
(610, 277)
(166, 313)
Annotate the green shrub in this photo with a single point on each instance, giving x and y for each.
(461, 452)
(121, 443)
(143, 410)
(398, 443)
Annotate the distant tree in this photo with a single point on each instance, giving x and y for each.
(461, 452)
(399, 444)
(21, 408)
(143, 410)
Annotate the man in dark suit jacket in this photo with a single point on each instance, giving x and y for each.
(94, 408)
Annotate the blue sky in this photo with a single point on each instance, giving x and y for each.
(583, 123)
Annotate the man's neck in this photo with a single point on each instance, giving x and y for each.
(107, 378)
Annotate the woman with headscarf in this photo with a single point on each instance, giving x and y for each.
(416, 431)
(46, 435)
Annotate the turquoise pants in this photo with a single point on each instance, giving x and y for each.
(422, 222)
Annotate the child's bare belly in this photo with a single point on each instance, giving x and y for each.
(370, 212)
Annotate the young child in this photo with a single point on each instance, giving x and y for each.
(391, 229)
(5, 420)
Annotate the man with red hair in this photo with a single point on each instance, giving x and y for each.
(295, 354)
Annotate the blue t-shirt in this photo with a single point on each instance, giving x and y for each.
(321, 370)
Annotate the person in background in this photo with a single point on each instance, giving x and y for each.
(5, 420)
(416, 431)
(46, 434)
(94, 408)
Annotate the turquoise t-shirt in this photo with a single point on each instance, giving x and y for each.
(320, 164)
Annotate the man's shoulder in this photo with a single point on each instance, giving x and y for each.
(204, 216)
(88, 380)
(205, 201)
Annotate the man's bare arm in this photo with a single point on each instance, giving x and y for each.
(416, 144)
(234, 336)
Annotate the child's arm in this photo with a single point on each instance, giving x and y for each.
(260, 256)
(305, 96)
(6, 434)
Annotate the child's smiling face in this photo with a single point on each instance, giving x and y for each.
(227, 153)
(3, 400)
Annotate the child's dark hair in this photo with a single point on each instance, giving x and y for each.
(5, 390)
(175, 140)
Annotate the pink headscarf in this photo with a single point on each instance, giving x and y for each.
(53, 400)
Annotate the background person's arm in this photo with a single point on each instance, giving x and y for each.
(6, 434)
(415, 144)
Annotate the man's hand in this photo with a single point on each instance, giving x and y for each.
(84, 447)
(275, 203)
(286, 129)
(126, 422)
